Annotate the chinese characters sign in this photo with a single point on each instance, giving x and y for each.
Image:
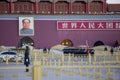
(88, 25)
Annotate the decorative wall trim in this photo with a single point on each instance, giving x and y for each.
(63, 17)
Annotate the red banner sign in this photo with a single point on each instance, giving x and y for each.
(88, 25)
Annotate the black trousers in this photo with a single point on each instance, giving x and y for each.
(27, 70)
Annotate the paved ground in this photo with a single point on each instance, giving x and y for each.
(17, 72)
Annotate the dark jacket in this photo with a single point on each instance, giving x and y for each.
(26, 57)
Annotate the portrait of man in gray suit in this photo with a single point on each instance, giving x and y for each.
(26, 27)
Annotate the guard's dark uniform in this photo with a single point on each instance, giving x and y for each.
(26, 58)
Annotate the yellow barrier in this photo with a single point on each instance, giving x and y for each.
(72, 65)
(94, 59)
(7, 59)
(16, 60)
(53, 61)
(87, 59)
(37, 71)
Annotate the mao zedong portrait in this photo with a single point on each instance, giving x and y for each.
(26, 27)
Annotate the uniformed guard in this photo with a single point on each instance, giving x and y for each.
(26, 58)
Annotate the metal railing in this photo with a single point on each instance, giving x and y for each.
(47, 66)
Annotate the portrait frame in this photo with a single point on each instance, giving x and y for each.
(31, 20)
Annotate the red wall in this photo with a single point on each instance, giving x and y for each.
(47, 35)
